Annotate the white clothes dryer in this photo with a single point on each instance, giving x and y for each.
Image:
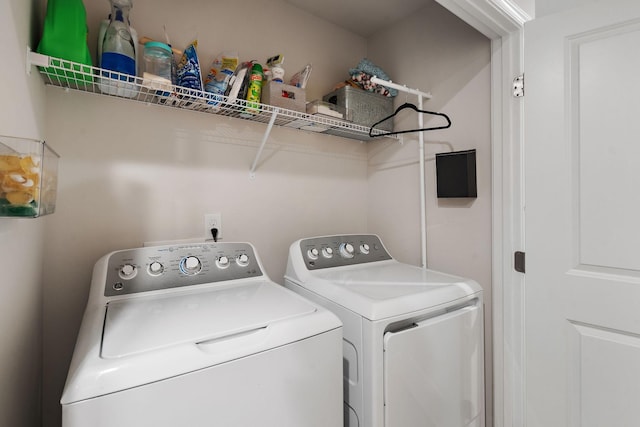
(197, 335)
(413, 338)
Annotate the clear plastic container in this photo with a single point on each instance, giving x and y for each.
(28, 177)
(157, 65)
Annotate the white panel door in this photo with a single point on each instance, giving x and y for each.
(582, 138)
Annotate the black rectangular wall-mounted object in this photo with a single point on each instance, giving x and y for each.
(456, 174)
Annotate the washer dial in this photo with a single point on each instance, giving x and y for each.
(190, 265)
(347, 250)
(312, 253)
(155, 268)
(242, 260)
(327, 252)
(364, 249)
(222, 261)
(128, 271)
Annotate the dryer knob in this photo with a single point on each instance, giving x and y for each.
(347, 250)
(364, 249)
(190, 265)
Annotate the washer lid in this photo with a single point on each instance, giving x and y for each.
(138, 325)
(383, 289)
(139, 340)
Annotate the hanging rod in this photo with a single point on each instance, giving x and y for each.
(402, 88)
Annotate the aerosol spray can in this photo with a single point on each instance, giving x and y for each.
(255, 89)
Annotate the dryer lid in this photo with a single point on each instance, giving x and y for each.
(384, 289)
(385, 272)
(138, 325)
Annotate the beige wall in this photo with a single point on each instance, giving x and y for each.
(254, 29)
(20, 239)
(442, 55)
(528, 6)
(549, 7)
(132, 173)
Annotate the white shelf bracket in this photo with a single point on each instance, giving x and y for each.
(265, 137)
(35, 58)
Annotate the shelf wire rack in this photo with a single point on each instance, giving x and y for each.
(79, 77)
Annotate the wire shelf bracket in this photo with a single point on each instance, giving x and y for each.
(265, 137)
(86, 78)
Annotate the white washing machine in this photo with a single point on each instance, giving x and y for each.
(413, 337)
(197, 335)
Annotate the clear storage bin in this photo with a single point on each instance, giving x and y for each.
(28, 177)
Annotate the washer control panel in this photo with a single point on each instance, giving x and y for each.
(336, 251)
(163, 267)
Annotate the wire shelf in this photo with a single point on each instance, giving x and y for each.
(85, 78)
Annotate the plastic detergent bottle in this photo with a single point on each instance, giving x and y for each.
(65, 36)
(118, 47)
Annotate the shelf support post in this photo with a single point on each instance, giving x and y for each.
(265, 137)
(423, 192)
(35, 58)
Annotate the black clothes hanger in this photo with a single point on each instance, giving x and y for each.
(413, 107)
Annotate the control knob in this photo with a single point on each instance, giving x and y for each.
(364, 249)
(312, 253)
(327, 252)
(155, 268)
(222, 262)
(347, 251)
(128, 271)
(190, 265)
(242, 260)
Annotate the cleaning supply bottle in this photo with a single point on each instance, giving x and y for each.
(104, 24)
(255, 89)
(118, 45)
(65, 36)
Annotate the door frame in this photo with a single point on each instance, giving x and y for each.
(502, 22)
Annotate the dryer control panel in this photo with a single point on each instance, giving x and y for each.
(336, 251)
(163, 267)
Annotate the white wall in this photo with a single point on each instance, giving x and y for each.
(442, 55)
(20, 239)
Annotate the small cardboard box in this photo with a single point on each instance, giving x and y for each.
(325, 109)
(284, 96)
